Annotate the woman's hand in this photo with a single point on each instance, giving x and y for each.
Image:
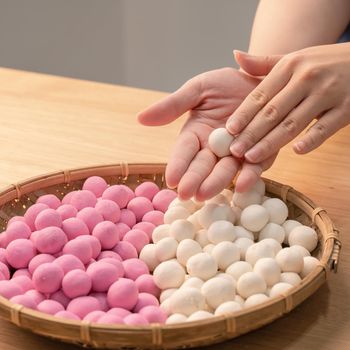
(298, 87)
(210, 98)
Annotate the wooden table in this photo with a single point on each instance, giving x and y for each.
(49, 123)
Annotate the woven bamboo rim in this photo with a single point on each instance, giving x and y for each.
(16, 198)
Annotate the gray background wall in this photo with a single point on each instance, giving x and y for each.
(156, 44)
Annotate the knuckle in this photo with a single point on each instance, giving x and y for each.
(297, 58)
(271, 114)
(290, 126)
(316, 135)
(258, 97)
(268, 61)
(291, 61)
(310, 140)
(310, 74)
(249, 137)
(228, 164)
(193, 174)
(320, 129)
(242, 118)
(266, 146)
(331, 84)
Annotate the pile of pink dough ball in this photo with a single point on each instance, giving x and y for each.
(77, 258)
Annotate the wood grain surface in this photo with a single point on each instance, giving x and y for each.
(50, 123)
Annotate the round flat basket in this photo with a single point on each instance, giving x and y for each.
(15, 199)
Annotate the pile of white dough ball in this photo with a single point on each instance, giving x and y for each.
(223, 255)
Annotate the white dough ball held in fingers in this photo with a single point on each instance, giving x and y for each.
(220, 141)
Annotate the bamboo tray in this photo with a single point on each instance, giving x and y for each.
(15, 199)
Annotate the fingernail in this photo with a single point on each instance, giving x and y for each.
(240, 52)
(236, 52)
(172, 187)
(253, 155)
(233, 127)
(299, 146)
(237, 149)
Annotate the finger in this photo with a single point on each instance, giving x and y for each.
(256, 100)
(199, 169)
(297, 120)
(185, 148)
(270, 116)
(319, 132)
(248, 176)
(256, 65)
(220, 177)
(250, 173)
(267, 163)
(172, 106)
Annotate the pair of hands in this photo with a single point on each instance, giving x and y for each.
(266, 113)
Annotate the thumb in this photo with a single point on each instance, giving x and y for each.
(172, 106)
(256, 65)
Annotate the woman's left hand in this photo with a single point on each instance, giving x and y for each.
(298, 87)
(210, 98)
